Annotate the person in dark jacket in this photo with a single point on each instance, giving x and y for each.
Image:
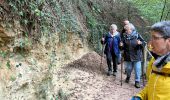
(132, 46)
(112, 40)
(123, 32)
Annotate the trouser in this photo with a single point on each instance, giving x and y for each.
(137, 67)
(111, 57)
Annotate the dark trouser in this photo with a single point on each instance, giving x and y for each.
(111, 57)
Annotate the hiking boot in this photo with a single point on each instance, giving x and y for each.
(127, 79)
(125, 72)
(114, 73)
(137, 84)
(109, 73)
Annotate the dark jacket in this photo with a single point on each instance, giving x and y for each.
(132, 51)
(112, 44)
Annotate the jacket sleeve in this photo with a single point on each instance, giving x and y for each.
(143, 94)
(149, 68)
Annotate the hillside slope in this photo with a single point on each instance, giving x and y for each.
(38, 38)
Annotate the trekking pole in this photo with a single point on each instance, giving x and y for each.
(121, 69)
(121, 63)
(102, 54)
(146, 46)
(144, 64)
(101, 58)
(149, 52)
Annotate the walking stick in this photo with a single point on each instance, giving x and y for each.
(102, 54)
(146, 51)
(121, 70)
(144, 64)
(101, 58)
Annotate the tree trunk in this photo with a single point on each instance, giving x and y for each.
(163, 10)
(167, 15)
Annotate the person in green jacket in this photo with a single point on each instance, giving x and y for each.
(158, 70)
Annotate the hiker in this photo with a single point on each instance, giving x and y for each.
(132, 47)
(123, 32)
(126, 22)
(158, 70)
(112, 40)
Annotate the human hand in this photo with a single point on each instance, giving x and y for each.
(121, 44)
(102, 39)
(136, 98)
(139, 42)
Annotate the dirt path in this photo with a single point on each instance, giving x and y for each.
(83, 80)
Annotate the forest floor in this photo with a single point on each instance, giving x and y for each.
(86, 79)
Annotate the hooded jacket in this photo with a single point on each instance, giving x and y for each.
(158, 86)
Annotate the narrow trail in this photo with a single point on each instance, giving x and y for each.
(83, 80)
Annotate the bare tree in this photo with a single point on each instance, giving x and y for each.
(163, 10)
(167, 15)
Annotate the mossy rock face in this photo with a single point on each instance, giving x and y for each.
(90, 17)
(50, 35)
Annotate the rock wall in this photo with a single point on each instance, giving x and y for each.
(28, 75)
(28, 64)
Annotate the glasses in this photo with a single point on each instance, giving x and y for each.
(156, 37)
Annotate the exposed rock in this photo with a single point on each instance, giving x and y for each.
(4, 36)
(41, 75)
(26, 80)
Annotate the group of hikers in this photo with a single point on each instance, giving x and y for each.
(131, 43)
(128, 45)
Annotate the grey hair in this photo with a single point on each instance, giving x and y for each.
(163, 28)
(130, 25)
(114, 26)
